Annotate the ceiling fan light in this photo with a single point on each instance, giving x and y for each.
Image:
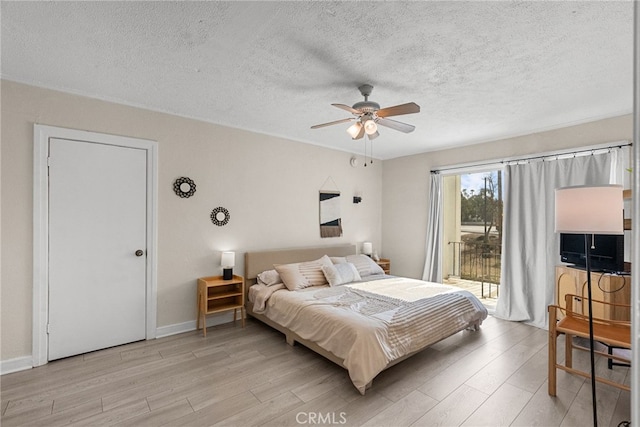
(354, 129)
(370, 127)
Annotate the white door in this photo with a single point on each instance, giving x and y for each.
(97, 222)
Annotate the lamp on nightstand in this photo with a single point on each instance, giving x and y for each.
(589, 211)
(228, 262)
(367, 248)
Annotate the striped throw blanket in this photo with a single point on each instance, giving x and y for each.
(423, 322)
(411, 326)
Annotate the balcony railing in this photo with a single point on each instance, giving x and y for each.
(479, 262)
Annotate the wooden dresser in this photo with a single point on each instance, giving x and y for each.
(604, 287)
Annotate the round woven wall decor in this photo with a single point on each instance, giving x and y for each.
(220, 216)
(184, 187)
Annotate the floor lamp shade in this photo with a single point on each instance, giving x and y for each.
(228, 261)
(589, 210)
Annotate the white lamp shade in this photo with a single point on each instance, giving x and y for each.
(228, 259)
(370, 127)
(354, 129)
(367, 248)
(589, 210)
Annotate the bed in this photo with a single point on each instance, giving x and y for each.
(365, 321)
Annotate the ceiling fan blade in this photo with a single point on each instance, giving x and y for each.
(396, 125)
(408, 108)
(349, 109)
(360, 134)
(332, 123)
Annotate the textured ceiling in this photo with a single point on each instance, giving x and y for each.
(479, 70)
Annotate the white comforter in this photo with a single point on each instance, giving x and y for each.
(370, 324)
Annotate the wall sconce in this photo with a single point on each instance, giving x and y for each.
(228, 261)
(357, 199)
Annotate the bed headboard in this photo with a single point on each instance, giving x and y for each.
(257, 262)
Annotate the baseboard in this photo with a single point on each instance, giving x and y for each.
(179, 328)
(15, 365)
(26, 362)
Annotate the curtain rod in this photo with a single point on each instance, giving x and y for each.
(538, 157)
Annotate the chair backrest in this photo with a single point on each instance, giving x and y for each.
(578, 306)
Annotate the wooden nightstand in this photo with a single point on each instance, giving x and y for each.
(216, 295)
(385, 264)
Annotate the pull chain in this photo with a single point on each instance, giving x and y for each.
(371, 150)
(365, 152)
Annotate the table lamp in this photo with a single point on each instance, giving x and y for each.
(228, 262)
(367, 248)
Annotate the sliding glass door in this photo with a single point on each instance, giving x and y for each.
(472, 231)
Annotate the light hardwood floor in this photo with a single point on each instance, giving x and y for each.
(250, 376)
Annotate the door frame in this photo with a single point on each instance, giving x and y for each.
(41, 135)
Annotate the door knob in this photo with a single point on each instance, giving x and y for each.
(139, 252)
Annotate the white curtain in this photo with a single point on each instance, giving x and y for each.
(530, 246)
(433, 259)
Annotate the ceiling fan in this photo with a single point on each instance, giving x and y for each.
(368, 115)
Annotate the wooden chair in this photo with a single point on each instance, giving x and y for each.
(572, 323)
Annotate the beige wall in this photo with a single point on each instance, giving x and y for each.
(406, 182)
(270, 186)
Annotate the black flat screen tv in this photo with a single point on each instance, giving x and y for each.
(608, 254)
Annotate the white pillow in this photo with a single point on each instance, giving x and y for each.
(341, 274)
(365, 265)
(338, 259)
(269, 278)
(303, 274)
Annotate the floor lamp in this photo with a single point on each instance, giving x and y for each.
(590, 210)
